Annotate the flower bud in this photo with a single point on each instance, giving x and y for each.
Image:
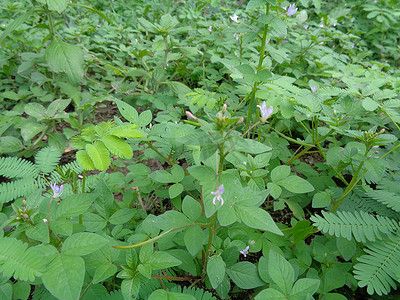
(224, 107)
(190, 115)
(240, 121)
(25, 216)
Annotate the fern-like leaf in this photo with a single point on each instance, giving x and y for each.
(361, 225)
(18, 261)
(46, 159)
(379, 269)
(13, 167)
(198, 293)
(22, 187)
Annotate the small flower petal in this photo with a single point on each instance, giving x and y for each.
(291, 10)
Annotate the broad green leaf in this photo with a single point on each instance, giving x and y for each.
(162, 176)
(247, 145)
(177, 172)
(254, 4)
(346, 248)
(13, 26)
(193, 238)
(30, 129)
(99, 155)
(145, 118)
(321, 200)
(188, 264)
(165, 295)
(303, 287)
(105, 198)
(64, 277)
(244, 274)
(333, 279)
(145, 270)
(191, 208)
(58, 5)
(334, 296)
(104, 271)
(296, 184)
(130, 288)
(227, 215)
(163, 260)
(21, 290)
(35, 110)
(6, 291)
(64, 57)
(39, 232)
(280, 271)
(171, 219)
(75, 205)
(95, 11)
(274, 190)
(202, 173)
(84, 160)
(127, 111)
(279, 173)
(9, 144)
(83, 243)
(216, 270)
(122, 216)
(178, 87)
(258, 218)
(271, 294)
(117, 146)
(56, 107)
(175, 190)
(93, 222)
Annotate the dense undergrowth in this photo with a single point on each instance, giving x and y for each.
(254, 155)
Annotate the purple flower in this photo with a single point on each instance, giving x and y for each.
(210, 28)
(236, 36)
(266, 112)
(291, 10)
(57, 190)
(234, 18)
(313, 89)
(245, 251)
(217, 195)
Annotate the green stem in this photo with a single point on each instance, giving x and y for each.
(252, 104)
(301, 153)
(159, 153)
(350, 187)
(158, 237)
(44, 131)
(209, 245)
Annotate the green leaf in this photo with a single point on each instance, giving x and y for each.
(21, 290)
(75, 205)
(274, 190)
(105, 198)
(244, 274)
(193, 239)
(202, 173)
(64, 277)
(104, 271)
(130, 288)
(6, 291)
(216, 270)
(39, 232)
(279, 173)
(177, 172)
(163, 260)
(58, 5)
(346, 248)
(258, 218)
(9, 144)
(334, 296)
(127, 111)
(280, 271)
(191, 208)
(296, 184)
(99, 155)
(333, 279)
(175, 190)
(171, 219)
(321, 200)
(270, 293)
(165, 295)
(117, 146)
(35, 110)
(254, 4)
(303, 287)
(93, 222)
(145, 118)
(83, 243)
(57, 107)
(247, 145)
(13, 26)
(162, 176)
(84, 160)
(122, 216)
(64, 57)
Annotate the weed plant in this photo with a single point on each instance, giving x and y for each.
(253, 155)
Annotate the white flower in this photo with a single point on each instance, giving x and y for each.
(265, 112)
(210, 28)
(217, 195)
(313, 89)
(245, 251)
(234, 18)
(306, 26)
(291, 10)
